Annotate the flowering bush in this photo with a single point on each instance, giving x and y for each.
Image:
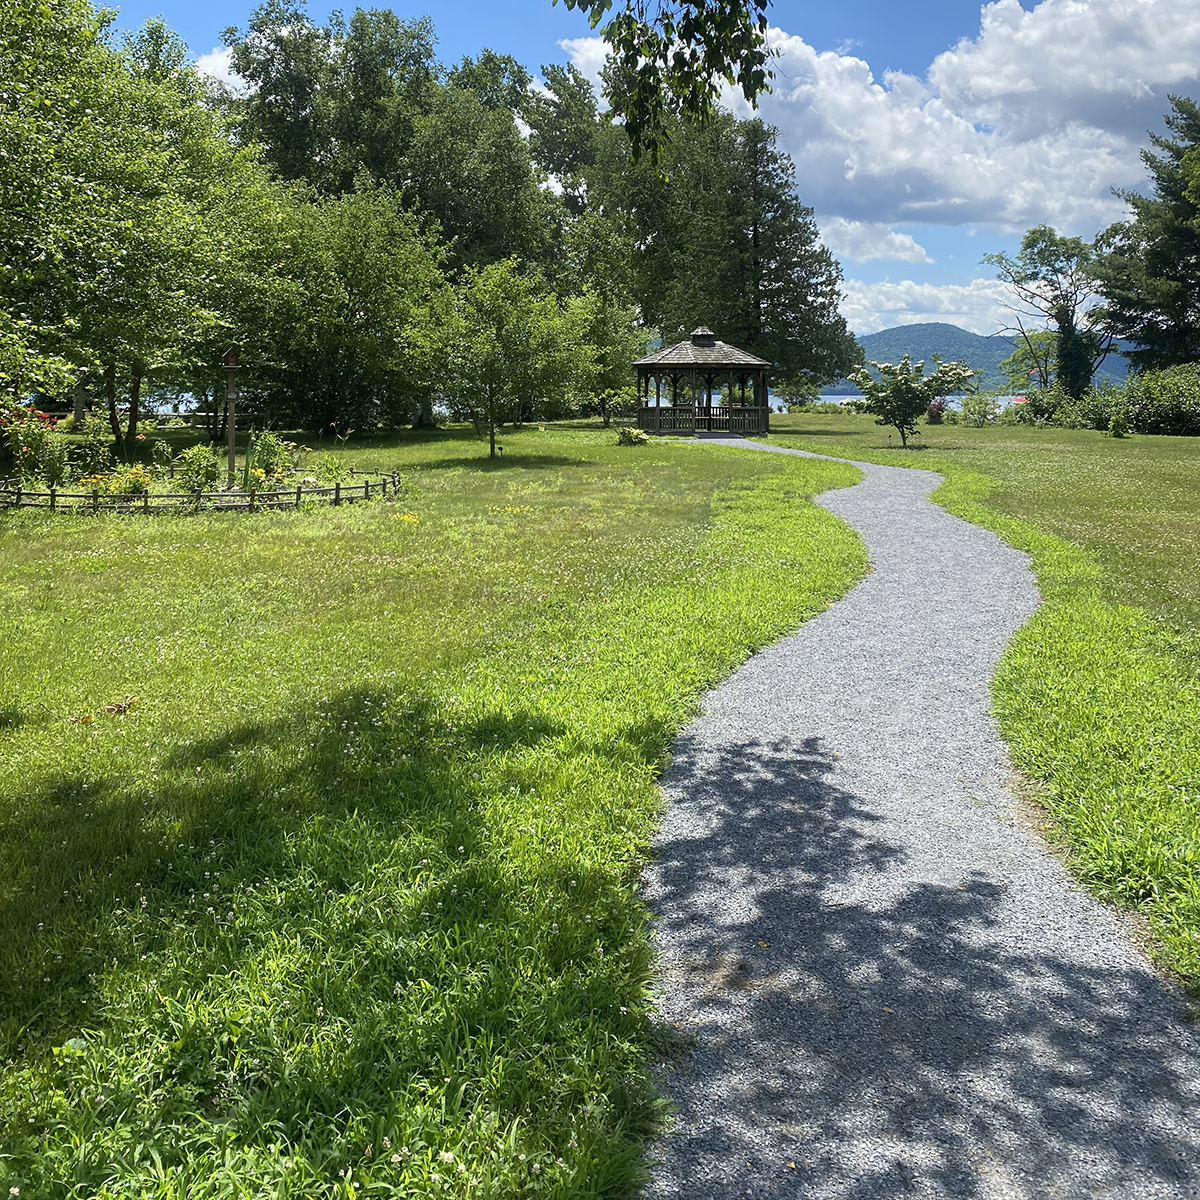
(274, 457)
(26, 431)
(198, 469)
(130, 480)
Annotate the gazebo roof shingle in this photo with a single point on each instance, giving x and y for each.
(701, 350)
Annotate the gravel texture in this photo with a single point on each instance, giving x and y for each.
(887, 986)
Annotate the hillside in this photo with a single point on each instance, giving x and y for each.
(923, 340)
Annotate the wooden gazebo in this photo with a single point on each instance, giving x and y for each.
(676, 387)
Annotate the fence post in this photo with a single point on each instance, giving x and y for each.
(53, 498)
(383, 483)
(252, 499)
(95, 501)
(172, 467)
(337, 493)
(146, 501)
(299, 491)
(367, 490)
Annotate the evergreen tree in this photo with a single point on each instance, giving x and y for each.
(724, 241)
(1150, 268)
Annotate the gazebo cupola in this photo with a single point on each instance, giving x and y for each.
(683, 380)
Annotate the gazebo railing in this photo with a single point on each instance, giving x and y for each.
(688, 418)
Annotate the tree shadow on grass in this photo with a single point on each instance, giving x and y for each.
(505, 462)
(229, 802)
(334, 928)
(905, 1044)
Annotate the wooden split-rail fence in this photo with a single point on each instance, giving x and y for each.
(14, 495)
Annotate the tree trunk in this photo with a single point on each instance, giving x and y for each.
(425, 415)
(135, 395)
(110, 392)
(491, 409)
(78, 410)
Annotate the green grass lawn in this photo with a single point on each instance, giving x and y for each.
(1099, 694)
(320, 831)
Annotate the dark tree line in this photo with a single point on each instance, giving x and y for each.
(337, 219)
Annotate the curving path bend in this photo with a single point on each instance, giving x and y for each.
(891, 988)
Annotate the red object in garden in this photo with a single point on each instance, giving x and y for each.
(1020, 400)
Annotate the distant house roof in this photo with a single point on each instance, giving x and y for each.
(701, 350)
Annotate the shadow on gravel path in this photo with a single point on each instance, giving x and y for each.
(892, 989)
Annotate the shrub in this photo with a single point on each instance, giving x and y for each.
(130, 480)
(978, 410)
(1164, 401)
(935, 414)
(198, 469)
(161, 456)
(331, 468)
(273, 456)
(92, 453)
(26, 432)
(814, 406)
(628, 436)
(56, 460)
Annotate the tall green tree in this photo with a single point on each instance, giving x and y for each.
(1032, 360)
(1149, 268)
(360, 292)
(113, 173)
(724, 241)
(1053, 278)
(564, 129)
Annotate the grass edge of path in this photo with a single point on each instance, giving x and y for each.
(1099, 705)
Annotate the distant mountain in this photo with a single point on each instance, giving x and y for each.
(924, 340)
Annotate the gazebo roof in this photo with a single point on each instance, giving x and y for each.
(701, 350)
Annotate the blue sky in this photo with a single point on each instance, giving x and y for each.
(924, 134)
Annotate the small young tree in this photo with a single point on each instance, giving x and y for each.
(610, 337)
(903, 392)
(508, 345)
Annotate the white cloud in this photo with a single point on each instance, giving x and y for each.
(861, 241)
(979, 306)
(588, 54)
(218, 63)
(1036, 119)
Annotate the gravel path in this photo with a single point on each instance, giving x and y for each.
(891, 986)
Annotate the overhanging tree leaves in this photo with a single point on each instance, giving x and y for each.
(672, 56)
